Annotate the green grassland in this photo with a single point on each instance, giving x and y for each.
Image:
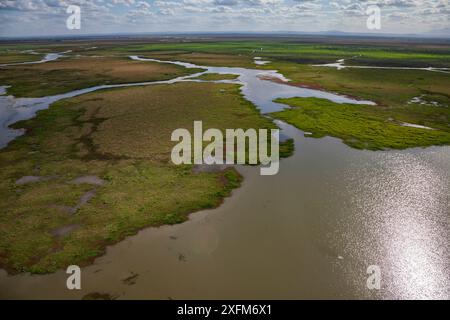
(123, 137)
(305, 53)
(359, 126)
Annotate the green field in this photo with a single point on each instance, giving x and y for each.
(308, 53)
(359, 126)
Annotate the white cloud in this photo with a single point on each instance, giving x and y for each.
(48, 16)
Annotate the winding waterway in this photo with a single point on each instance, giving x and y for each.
(309, 232)
(47, 58)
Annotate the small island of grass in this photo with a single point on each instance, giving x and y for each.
(217, 77)
(359, 126)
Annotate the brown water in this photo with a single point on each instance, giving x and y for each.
(309, 232)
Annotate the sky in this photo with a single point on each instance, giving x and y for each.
(48, 17)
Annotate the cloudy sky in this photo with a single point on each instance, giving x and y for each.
(48, 17)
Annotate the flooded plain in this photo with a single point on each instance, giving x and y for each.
(254, 87)
(309, 232)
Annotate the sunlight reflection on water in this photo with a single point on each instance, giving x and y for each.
(401, 201)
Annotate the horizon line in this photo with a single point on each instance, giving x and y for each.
(198, 33)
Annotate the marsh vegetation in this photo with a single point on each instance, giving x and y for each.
(121, 136)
